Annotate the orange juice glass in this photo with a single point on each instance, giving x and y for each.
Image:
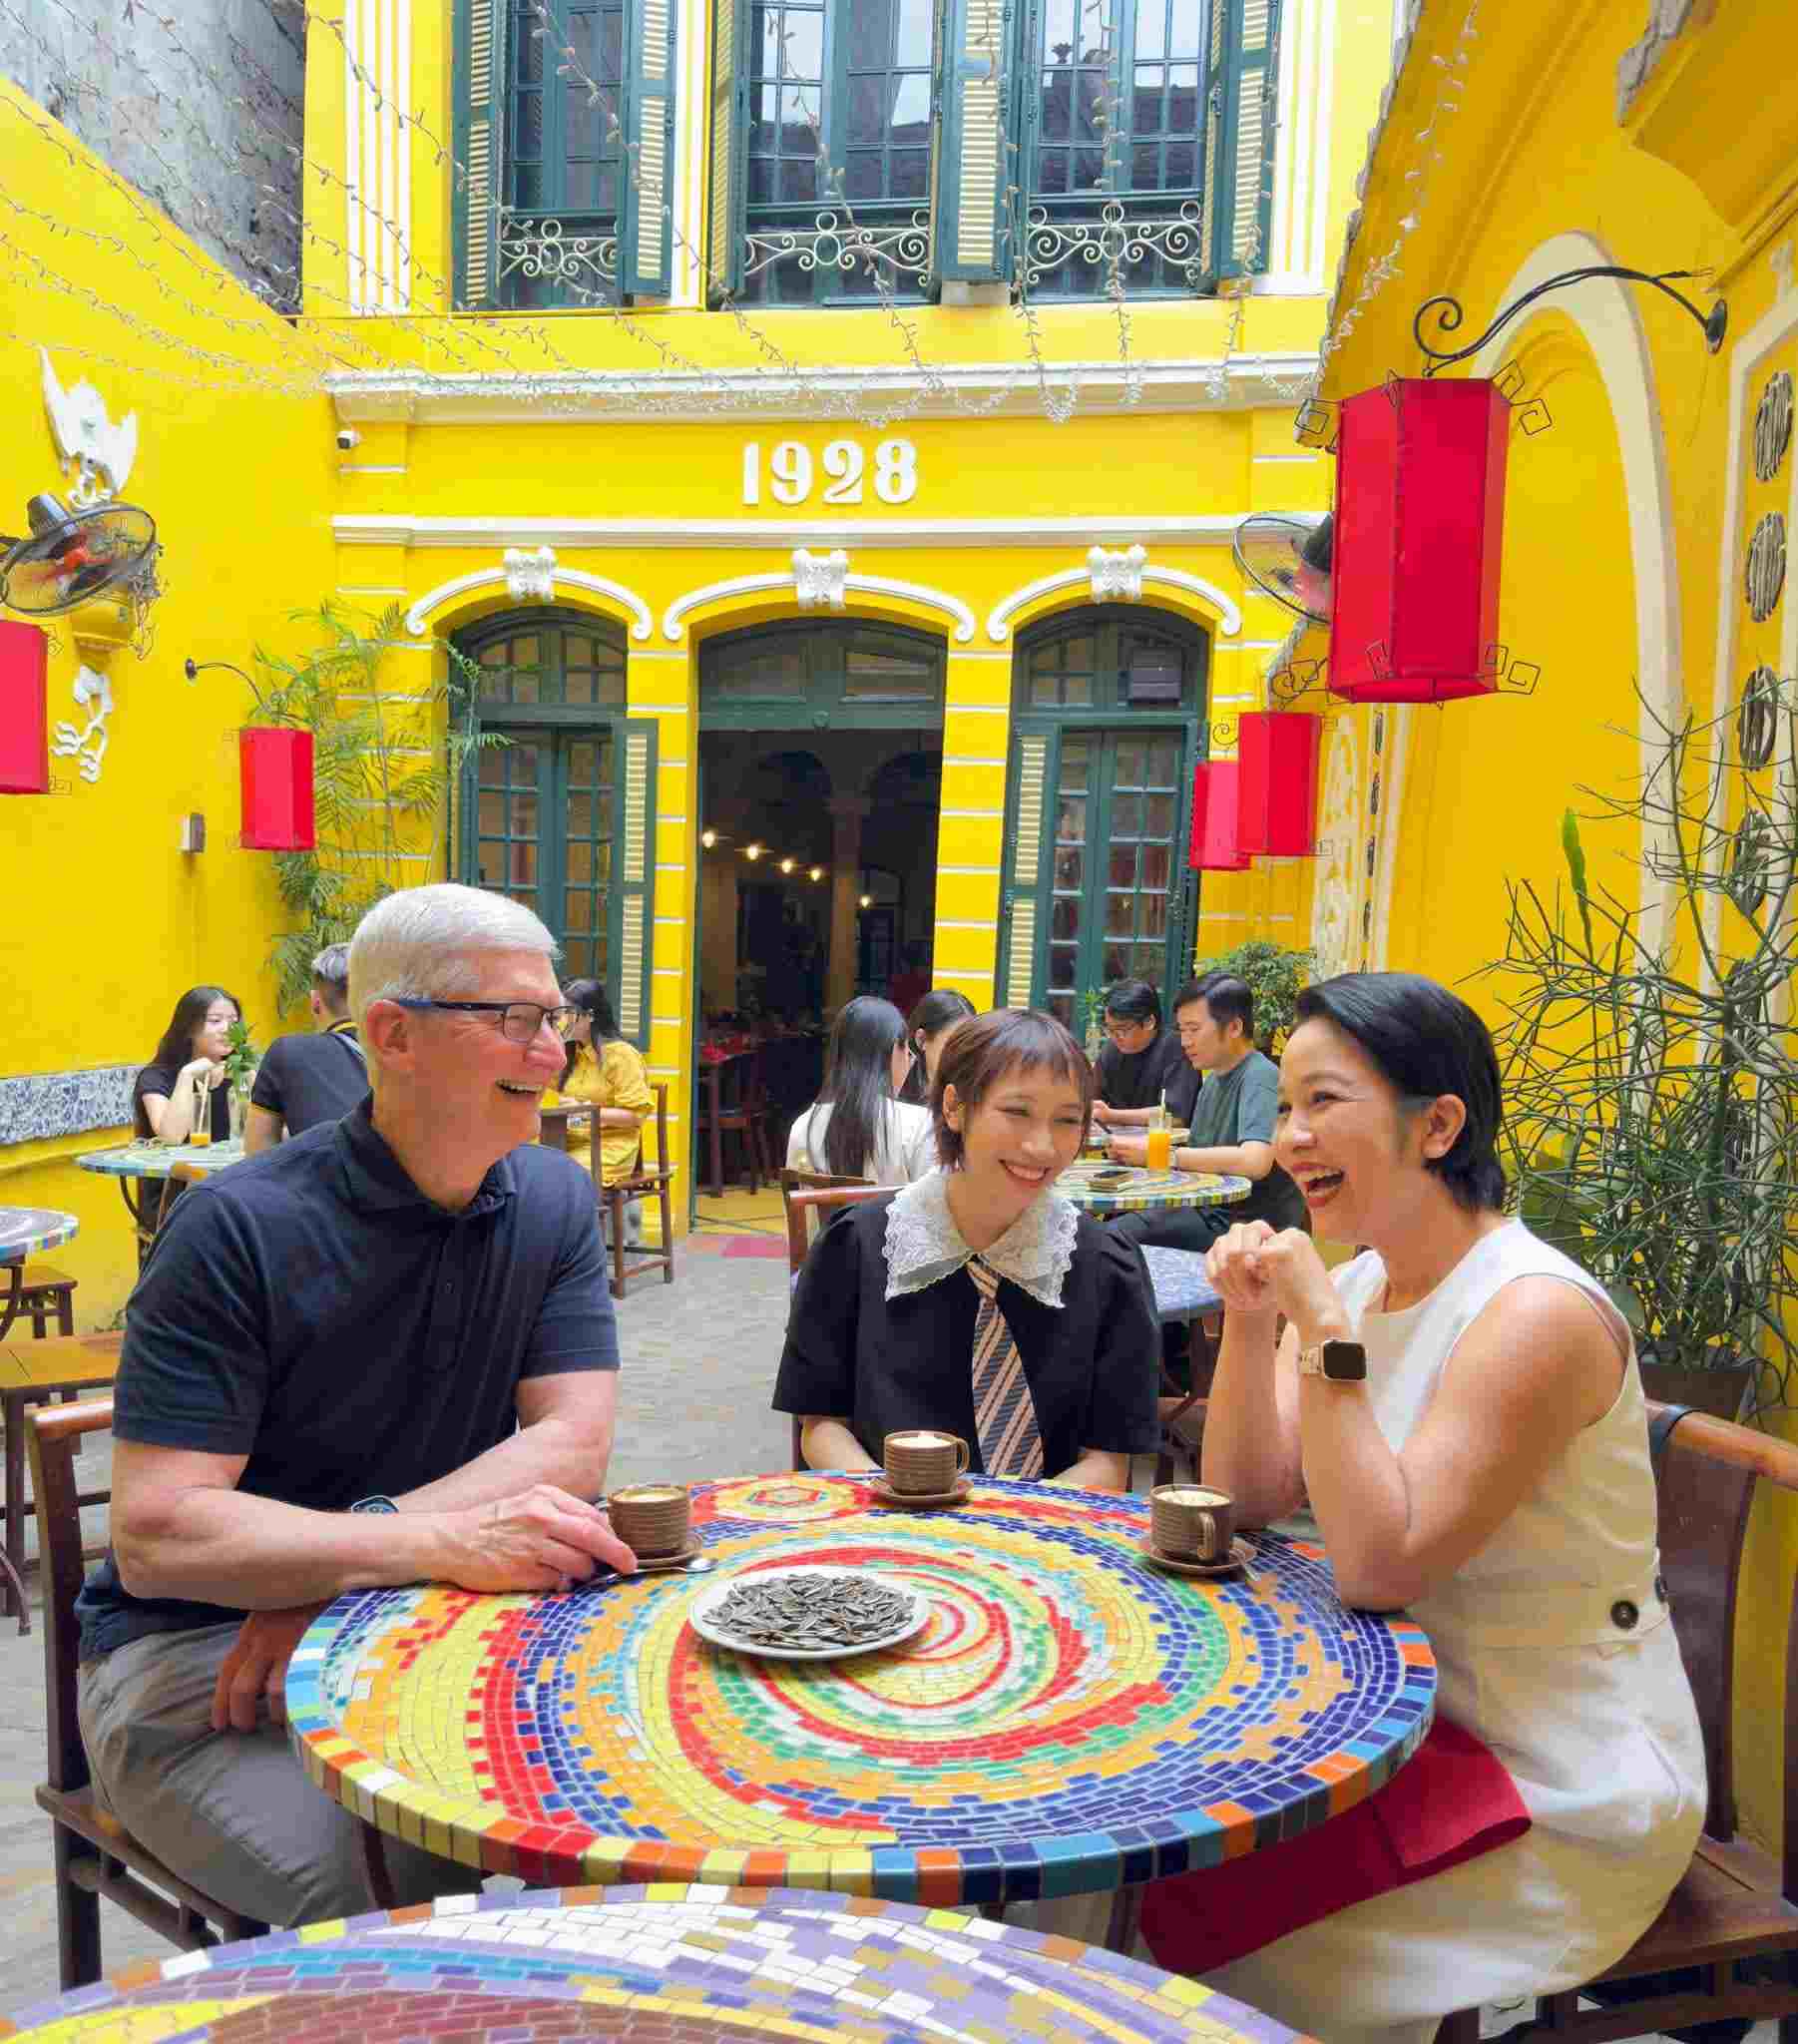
(1160, 1149)
(201, 1139)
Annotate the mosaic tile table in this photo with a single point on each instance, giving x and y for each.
(133, 1162)
(1183, 1290)
(676, 1965)
(1141, 1188)
(23, 1231)
(1070, 1719)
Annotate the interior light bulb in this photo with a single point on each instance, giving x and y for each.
(786, 865)
(751, 852)
(708, 838)
(817, 873)
(867, 902)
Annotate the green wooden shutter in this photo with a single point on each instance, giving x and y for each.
(1023, 898)
(646, 241)
(634, 874)
(480, 105)
(971, 173)
(728, 139)
(1239, 134)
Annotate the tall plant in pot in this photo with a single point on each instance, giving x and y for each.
(1651, 1090)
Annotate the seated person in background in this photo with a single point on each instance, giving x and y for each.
(382, 1352)
(912, 983)
(890, 1328)
(316, 1076)
(927, 1028)
(1461, 1406)
(856, 1127)
(191, 1051)
(608, 1074)
(1141, 1061)
(1232, 1122)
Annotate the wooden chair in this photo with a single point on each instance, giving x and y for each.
(45, 1295)
(801, 1202)
(1182, 1413)
(32, 1373)
(95, 1854)
(732, 1100)
(1734, 1902)
(644, 1182)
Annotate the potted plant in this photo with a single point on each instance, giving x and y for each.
(1651, 1090)
(1274, 976)
(240, 1062)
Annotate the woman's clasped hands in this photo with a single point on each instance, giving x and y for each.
(1258, 1269)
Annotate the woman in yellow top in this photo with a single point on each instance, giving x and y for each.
(607, 1073)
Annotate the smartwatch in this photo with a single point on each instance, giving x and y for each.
(1341, 1362)
(377, 1503)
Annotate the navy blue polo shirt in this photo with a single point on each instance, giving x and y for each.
(312, 1311)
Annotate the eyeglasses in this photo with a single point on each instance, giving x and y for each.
(519, 1021)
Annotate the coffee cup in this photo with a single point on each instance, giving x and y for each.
(923, 1463)
(1191, 1521)
(652, 1519)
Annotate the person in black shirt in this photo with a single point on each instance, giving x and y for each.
(883, 1326)
(382, 1353)
(191, 1054)
(1141, 1061)
(315, 1076)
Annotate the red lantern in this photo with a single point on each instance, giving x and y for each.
(276, 767)
(1420, 514)
(1277, 787)
(24, 710)
(1214, 812)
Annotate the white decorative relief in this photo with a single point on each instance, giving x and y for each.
(418, 617)
(1117, 575)
(92, 694)
(530, 573)
(99, 454)
(820, 578)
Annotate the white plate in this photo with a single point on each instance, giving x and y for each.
(704, 1622)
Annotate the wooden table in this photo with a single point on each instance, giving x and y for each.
(558, 1120)
(1072, 1719)
(139, 1165)
(1141, 1188)
(24, 1230)
(31, 1374)
(679, 1965)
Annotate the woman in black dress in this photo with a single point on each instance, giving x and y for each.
(191, 1053)
(890, 1329)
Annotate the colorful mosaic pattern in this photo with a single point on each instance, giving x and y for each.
(1181, 1287)
(1071, 1719)
(155, 1160)
(25, 1229)
(676, 1965)
(1147, 1189)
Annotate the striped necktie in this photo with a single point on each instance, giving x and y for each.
(1005, 1418)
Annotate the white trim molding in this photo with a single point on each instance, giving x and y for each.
(1218, 601)
(673, 619)
(419, 616)
(779, 535)
(377, 187)
(1235, 383)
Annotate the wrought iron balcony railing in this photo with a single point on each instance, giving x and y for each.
(561, 260)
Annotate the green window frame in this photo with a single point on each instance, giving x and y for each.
(823, 674)
(562, 202)
(562, 815)
(1098, 680)
(1173, 188)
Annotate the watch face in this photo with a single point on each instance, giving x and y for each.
(1344, 1363)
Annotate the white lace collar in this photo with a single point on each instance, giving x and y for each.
(924, 1246)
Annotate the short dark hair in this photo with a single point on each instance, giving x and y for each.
(980, 1053)
(1231, 1000)
(1135, 1000)
(1194, 990)
(1425, 1041)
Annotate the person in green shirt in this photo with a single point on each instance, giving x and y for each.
(1232, 1122)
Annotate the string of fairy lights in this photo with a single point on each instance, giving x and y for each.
(318, 333)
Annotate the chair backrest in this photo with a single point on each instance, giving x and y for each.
(1707, 1470)
(822, 1199)
(51, 1432)
(595, 1164)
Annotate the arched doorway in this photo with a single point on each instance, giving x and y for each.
(1105, 730)
(557, 804)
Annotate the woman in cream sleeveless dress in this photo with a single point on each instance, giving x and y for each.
(1490, 1477)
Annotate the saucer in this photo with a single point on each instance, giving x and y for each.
(650, 1564)
(916, 1500)
(1207, 1571)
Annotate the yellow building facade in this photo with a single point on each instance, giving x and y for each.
(1644, 530)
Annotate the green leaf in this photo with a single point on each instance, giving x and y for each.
(1575, 853)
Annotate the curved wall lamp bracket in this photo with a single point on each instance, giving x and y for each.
(1449, 313)
(194, 668)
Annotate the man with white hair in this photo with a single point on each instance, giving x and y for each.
(382, 1352)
